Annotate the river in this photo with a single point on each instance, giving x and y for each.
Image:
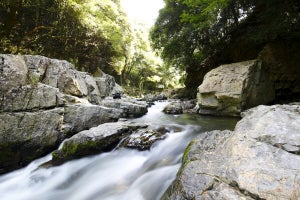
(122, 174)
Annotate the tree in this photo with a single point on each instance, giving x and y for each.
(92, 34)
(190, 31)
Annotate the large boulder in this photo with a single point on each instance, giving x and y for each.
(151, 98)
(230, 89)
(274, 77)
(258, 160)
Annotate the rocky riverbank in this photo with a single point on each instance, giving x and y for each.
(44, 101)
(258, 160)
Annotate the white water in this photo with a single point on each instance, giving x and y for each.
(118, 175)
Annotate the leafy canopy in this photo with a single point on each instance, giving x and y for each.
(189, 31)
(92, 34)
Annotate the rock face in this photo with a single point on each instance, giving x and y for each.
(43, 101)
(274, 77)
(258, 160)
(230, 89)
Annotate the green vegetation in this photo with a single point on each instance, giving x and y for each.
(198, 35)
(92, 34)
(190, 35)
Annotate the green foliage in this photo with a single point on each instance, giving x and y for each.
(189, 31)
(55, 29)
(92, 34)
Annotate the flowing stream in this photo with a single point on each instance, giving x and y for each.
(122, 174)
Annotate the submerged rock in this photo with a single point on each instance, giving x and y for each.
(259, 160)
(143, 139)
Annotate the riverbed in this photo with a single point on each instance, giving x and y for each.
(122, 174)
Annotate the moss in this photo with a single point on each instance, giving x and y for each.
(186, 152)
(31, 137)
(89, 145)
(183, 167)
(185, 160)
(74, 149)
(69, 149)
(55, 155)
(33, 79)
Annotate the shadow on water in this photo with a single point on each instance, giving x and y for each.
(123, 174)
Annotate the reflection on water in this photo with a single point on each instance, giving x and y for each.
(118, 175)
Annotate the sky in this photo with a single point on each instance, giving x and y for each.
(144, 11)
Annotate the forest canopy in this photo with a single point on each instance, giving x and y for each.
(188, 32)
(92, 34)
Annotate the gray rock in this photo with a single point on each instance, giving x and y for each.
(142, 139)
(117, 89)
(150, 98)
(173, 108)
(230, 89)
(42, 102)
(80, 117)
(259, 160)
(96, 140)
(13, 72)
(189, 106)
(106, 84)
(93, 90)
(72, 82)
(130, 107)
(31, 97)
(25, 136)
(57, 73)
